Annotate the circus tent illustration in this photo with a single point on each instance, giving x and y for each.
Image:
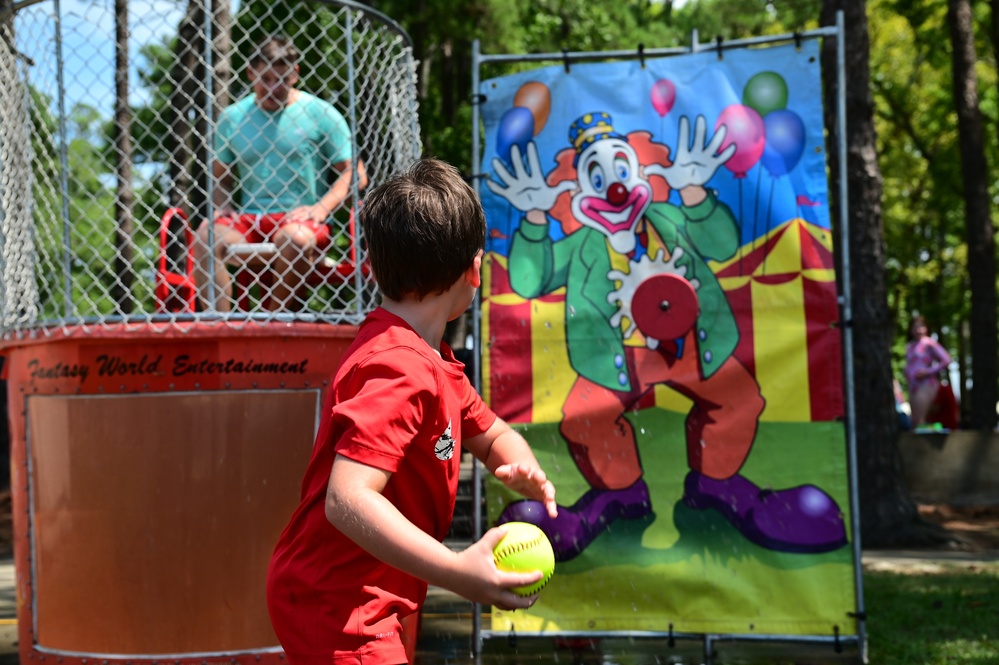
(782, 290)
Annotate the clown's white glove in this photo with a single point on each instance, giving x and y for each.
(525, 189)
(695, 164)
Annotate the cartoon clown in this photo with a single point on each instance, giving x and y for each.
(625, 240)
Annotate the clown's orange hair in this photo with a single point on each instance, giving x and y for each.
(648, 151)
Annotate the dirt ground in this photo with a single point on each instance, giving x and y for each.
(975, 528)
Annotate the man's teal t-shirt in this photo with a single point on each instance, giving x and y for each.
(282, 157)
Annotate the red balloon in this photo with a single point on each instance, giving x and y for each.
(663, 95)
(537, 99)
(745, 129)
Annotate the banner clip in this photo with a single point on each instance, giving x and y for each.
(837, 645)
(718, 45)
(670, 641)
(797, 40)
(511, 639)
(641, 54)
(565, 59)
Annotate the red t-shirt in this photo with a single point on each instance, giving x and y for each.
(398, 406)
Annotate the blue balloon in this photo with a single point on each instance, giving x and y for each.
(785, 142)
(516, 128)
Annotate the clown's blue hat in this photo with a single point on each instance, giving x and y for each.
(589, 128)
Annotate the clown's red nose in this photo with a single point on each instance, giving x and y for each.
(617, 194)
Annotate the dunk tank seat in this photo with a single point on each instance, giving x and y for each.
(175, 290)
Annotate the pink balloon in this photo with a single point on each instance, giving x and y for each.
(744, 128)
(663, 96)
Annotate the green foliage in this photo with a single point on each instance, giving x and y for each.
(150, 125)
(920, 162)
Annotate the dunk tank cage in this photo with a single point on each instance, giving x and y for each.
(157, 447)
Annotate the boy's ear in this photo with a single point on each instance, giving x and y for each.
(474, 272)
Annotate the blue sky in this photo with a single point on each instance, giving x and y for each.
(88, 45)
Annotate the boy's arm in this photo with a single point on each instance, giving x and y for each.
(508, 456)
(356, 506)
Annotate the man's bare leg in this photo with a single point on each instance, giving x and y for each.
(296, 256)
(209, 265)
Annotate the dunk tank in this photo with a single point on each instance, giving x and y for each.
(157, 445)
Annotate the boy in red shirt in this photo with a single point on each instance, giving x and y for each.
(379, 493)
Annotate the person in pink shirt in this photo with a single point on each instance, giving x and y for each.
(925, 358)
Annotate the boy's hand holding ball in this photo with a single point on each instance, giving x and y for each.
(523, 549)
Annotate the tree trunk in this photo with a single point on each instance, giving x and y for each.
(121, 289)
(209, 102)
(980, 232)
(888, 514)
(205, 104)
(181, 105)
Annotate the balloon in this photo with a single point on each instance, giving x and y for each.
(785, 142)
(744, 128)
(536, 98)
(516, 128)
(765, 92)
(663, 96)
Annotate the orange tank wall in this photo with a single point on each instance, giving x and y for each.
(152, 472)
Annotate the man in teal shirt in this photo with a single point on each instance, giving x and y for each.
(624, 236)
(278, 146)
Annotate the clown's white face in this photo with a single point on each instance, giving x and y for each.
(612, 193)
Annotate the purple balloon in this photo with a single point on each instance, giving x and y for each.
(516, 128)
(744, 128)
(785, 142)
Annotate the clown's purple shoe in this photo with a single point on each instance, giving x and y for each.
(578, 525)
(801, 519)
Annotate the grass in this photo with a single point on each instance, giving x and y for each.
(942, 615)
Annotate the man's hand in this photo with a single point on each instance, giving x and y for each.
(525, 189)
(695, 164)
(530, 482)
(305, 214)
(225, 212)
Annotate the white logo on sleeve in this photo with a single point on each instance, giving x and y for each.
(444, 448)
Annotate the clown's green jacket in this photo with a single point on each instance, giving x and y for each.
(580, 262)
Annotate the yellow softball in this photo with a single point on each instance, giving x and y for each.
(525, 548)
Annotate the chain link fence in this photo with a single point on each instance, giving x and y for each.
(109, 140)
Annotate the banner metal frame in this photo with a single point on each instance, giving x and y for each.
(479, 634)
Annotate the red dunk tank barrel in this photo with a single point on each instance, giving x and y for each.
(152, 474)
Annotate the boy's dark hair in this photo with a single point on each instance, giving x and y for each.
(275, 50)
(423, 229)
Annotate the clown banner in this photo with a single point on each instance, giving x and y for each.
(659, 318)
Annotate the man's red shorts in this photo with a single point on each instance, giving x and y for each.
(261, 227)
